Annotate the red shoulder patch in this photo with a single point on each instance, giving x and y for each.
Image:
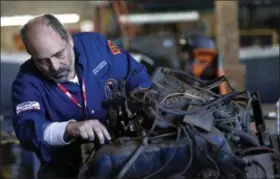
(114, 49)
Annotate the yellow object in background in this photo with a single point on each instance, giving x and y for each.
(7, 172)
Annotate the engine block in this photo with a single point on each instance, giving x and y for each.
(183, 129)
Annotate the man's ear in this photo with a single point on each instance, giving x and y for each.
(70, 39)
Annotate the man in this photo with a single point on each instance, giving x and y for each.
(58, 93)
(198, 56)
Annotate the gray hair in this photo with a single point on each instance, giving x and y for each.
(50, 21)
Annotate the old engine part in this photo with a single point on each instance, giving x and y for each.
(180, 129)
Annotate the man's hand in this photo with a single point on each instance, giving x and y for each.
(87, 130)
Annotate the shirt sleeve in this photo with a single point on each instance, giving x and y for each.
(133, 72)
(29, 114)
(54, 134)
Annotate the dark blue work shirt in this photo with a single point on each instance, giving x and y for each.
(37, 101)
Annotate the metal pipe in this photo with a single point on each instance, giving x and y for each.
(278, 116)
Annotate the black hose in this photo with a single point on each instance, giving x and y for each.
(219, 100)
(243, 135)
(238, 160)
(138, 90)
(168, 70)
(203, 82)
(260, 166)
(207, 91)
(190, 142)
(191, 102)
(255, 149)
(218, 172)
(246, 137)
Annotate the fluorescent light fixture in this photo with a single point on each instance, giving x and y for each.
(182, 41)
(21, 20)
(160, 17)
(87, 26)
(14, 57)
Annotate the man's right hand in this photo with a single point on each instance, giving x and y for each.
(88, 130)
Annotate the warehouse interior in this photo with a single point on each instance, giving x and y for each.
(245, 34)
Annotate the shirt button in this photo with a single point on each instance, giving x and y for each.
(92, 111)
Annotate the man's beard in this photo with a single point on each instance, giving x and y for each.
(59, 76)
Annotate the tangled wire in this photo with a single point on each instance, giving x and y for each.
(231, 116)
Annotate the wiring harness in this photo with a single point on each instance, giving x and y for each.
(204, 134)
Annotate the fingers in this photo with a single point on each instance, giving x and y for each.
(91, 135)
(84, 135)
(91, 129)
(99, 134)
(86, 132)
(105, 132)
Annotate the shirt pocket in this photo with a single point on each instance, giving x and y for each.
(102, 69)
(98, 93)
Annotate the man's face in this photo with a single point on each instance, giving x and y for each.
(52, 55)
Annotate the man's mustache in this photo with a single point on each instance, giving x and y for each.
(58, 73)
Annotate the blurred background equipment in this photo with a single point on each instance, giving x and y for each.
(262, 71)
(243, 36)
(227, 39)
(10, 160)
(278, 116)
(10, 64)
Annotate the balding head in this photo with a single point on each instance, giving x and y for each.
(50, 46)
(35, 25)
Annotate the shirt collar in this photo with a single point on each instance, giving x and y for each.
(78, 56)
(79, 63)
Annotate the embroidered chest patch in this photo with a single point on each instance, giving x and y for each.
(114, 49)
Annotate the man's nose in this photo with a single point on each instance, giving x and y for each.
(54, 64)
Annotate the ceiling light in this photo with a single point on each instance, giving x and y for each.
(160, 17)
(87, 26)
(182, 41)
(23, 19)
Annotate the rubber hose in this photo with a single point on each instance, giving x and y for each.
(221, 99)
(243, 135)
